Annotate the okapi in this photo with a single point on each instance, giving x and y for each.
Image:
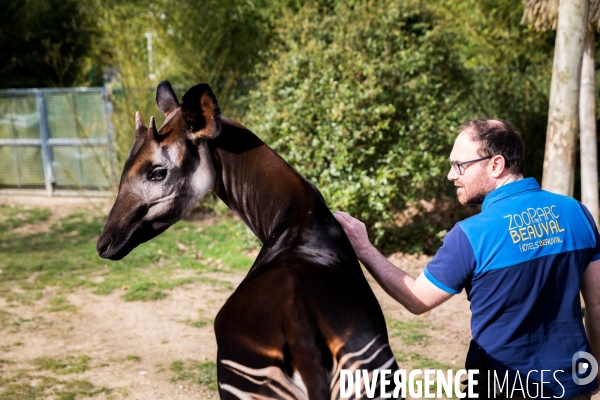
(305, 310)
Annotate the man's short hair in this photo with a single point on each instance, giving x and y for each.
(498, 137)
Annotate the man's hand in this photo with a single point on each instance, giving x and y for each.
(418, 296)
(356, 231)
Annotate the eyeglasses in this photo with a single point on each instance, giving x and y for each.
(458, 165)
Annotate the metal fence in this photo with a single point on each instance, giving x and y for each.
(56, 141)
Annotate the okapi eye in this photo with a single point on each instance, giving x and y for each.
(158, 174)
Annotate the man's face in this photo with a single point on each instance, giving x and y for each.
(475, 183)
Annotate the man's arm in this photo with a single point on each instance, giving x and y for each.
(590, 284)
(417, 295)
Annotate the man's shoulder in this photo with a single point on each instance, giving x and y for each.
(519, 210)
(483, 219)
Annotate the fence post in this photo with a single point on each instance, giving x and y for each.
(110, 146)
(45, 134)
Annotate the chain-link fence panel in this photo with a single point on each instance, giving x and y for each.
(59, 140)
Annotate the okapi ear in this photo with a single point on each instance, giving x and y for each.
(166, 99)
(201, 111)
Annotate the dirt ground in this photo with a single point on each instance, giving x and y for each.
(108, 329)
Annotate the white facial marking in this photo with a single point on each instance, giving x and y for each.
(205, 176)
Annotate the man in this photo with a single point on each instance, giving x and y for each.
(522, 261)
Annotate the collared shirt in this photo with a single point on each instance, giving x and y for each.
(520, 261)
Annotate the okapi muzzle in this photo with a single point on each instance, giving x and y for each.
(166, 172)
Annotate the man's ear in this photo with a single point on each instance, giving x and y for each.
(200, 110)
(498, 165)
(166, 99)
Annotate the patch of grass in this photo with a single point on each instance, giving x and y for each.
(25, 387)
(224, 284)
(5, 318)
(177, 366)
(8, 347)
(61, 304)
(22, 391)
(144, 291)
(207, 375)
(78, 223)
(133, 358)
(67, 365)
(200, 322)
(79, 388)
(27, 298)
(30, 324)
(204, 374)
(66, 258)
(13, 217)
(181, 371)
(409, 331)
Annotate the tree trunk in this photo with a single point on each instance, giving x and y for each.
(563, 115)
(587, 121)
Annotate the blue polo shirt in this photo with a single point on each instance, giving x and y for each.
(520, 261)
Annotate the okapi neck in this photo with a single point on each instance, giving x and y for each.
(259, 186)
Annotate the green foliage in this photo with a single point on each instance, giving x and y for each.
(365, 100)
(44, 42)
(232, 33)
(362, 100)
(510, 67)
(218, 42)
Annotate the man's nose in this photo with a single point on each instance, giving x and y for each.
(452, 175)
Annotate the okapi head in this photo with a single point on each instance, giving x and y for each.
(167, 170)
